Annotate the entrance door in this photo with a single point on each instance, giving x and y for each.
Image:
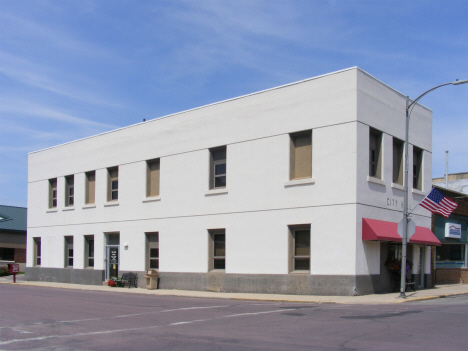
(421, 266)
(112, 269)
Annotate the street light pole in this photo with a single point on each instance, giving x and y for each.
(409, 109)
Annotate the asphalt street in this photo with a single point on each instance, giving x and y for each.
(40, 318)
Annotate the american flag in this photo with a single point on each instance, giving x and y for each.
(438, 203)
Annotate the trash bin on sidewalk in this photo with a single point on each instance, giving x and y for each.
(151, 279)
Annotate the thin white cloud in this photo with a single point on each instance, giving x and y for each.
(23, 108)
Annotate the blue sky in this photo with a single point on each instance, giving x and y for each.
(71, 69)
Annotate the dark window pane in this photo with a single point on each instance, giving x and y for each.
(302, 243)
(70, 252)
(91, 262)
(154, 253)
(115, 195)
(219, 155)
(71, 202)
(154, 264)
(219, 245)
(219, 263)
(220, 169)
(38, 261)
(220, 182)
(115, 184)
(38, 253)
(71, 192)
(302, 264)
(54, 203)
(90, 248)
(70, 262)
(7, 254)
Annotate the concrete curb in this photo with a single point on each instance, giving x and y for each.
(376, 299)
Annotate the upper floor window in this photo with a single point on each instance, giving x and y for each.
(218, 167)
(398, 147)
(69, 190)
(300, 155)
(90, 185)
(113, 184)
(152, 177)
(375, 153)
(53, 193)
(417, 168)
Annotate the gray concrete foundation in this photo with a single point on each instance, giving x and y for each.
(65, 275)
(291, 284)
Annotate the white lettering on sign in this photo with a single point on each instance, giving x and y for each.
(394, 203)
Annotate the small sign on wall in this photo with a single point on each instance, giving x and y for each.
(453, 230)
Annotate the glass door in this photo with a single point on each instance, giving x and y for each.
(112, 267)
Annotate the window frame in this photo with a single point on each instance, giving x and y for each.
(153, 177)
(300, 155)
(88, 256)
(90, 187)
(213, 257)
(69, 252)
(152, 243)
(113, 178)
(398, 158)
(69, 191)
(375, 166)
(293, 257)
(216, 160)
(418, 153)
(37, 251)
(53, 193)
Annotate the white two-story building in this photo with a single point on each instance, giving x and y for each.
(296, 189)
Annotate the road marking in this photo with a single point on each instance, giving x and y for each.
(119, 316)
(140, 328)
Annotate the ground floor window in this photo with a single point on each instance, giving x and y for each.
(152, 253)
(450, 255)
(37, 251)
(89, 251)
(217, 260)
(7, 254)
(299, 247)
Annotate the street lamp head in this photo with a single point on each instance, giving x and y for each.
(458, 82)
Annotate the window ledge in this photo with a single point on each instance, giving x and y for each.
(398, 186)
(152, 199)
(418, 192)
(111, 203)
(68, 208)
(299, 272)
(216, 191)
(375, 180)
(295, 182)
(89, 206)
(52, 210)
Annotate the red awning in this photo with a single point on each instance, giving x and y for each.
(373, 229)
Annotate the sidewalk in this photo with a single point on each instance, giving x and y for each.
(376, 299)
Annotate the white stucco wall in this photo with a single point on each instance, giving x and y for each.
(258, 206)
